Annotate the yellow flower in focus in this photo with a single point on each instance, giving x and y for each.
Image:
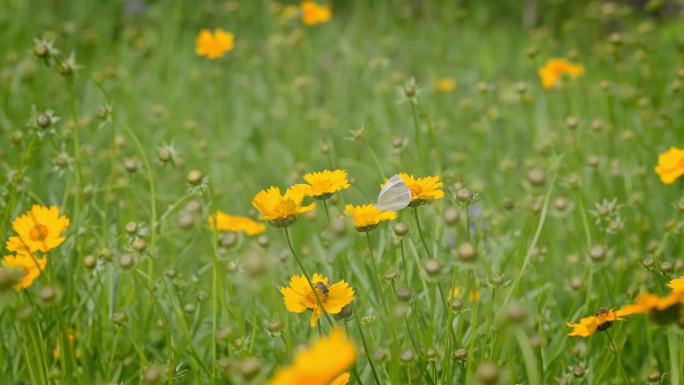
(320, 364)
(367, 216)
(342, 379)
(677, 285)
(445, 85)
(589, 325)
(299, 297)
(225, 222)
(29, 267)
(423, 189)
(40, 229)
(554, 69)
(282, 210)
(313, 13)
(325, 183)
(670, 165)
(214, 44)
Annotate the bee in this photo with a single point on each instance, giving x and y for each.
(323, 288)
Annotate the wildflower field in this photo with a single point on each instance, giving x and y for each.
(340, 192)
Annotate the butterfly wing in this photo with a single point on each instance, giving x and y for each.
(394, 196)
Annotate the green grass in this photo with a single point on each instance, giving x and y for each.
(261, 115)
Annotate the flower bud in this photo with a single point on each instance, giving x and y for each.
(451, 216)
(488, 372)
(407, 356)
(401, 229)
(126, 261)
(250, 367)
(536, 177)
(403, 294)
(459, 355)
(433, 266)
(195, 177)
(466, 251)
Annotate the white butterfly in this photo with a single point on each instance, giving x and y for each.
(394, 196)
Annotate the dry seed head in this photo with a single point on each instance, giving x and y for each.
(536, 177)
(131, 228)
(654, 377)
(451, 216)
(488, 372)
(250, 367)
(459, 355)
(47, 294)
(195, 177)
(407, 356)
(433, 266)
(403, 294)
(467, 251)
(571, 122)
(400, 229)
(126, 261)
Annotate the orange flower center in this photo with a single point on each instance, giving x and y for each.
(416, 190)
(38, 233)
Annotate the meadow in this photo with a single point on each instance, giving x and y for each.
(542, 144)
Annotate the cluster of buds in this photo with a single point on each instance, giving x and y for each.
(607, 215)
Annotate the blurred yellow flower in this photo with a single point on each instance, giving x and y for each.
(677, 285)
(40, 229)
(445, 84)
(457, 292)
(367, 216)
(214, 44)
(225, 222)
(342, 379)
(651, 303)
(555, 68)
(670, 165)
(589, 325)
(29, 267)
(281, 210)
(320, 364)
(299, 297)
(313, 13)
(423, 189)
(324, 183)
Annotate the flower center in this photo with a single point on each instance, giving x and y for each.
(322, 291)
(38, 233)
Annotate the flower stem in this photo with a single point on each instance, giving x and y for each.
(307, 276)
(365, 348)
(325, 206)
(420, 232)
(674, 361)
(375, 272)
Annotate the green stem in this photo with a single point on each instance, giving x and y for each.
(325, 206)
(366, 350)
(675, 373)
(528, 357)
(420, 232)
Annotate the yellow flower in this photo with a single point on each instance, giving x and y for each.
(225, 222)
(670, 165)
(214, 45)
(367, 216)
(313, 13)
(445, 84)
(342, 379)
(677, 285)
(325, 183)
(457, 292)
(555, 68)
(29, 267)
(40, 229)
(423, 189)
(320, 364)
(662, 309)
(299, 297)
(601, 321)
(281, 210)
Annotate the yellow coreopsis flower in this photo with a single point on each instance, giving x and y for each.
(282, 210)
(677, 285)
(445, 85)
(28, 266)
(554, 69)
(342, 379)
(299, 297)
(324, 183)
(320, 364)
(670, 165)
(662, 309)
(214, 44)
(225, 222)
(40, 229)
(313, 13)
(423, 189)
(601, 321)
(367, 216)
